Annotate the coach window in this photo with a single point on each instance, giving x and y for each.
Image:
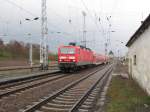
(135, 59)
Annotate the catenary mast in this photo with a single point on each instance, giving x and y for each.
(84, 29)
(44, 32)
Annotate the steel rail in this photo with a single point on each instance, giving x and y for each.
(21, 67)
(13, 91)
(14, 80)
(84, 97)
(24, 78)
(31, 86)
(56, 94)
(11, 84)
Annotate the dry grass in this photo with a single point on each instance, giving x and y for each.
(125, 95)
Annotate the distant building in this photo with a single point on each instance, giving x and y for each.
(111, 55)
(139, 55)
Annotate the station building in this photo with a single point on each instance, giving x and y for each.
(139, 55)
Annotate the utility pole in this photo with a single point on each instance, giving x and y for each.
(43, 43)
(118, 54)
(108, 43)
(30, 46)
(84, 29)
(94, 40)
(30, 51)
(106, 48)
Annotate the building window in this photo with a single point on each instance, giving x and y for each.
(134, 60)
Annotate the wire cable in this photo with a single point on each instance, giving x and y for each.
(93, 18)
(32, 14)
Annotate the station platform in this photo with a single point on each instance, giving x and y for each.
(6, 78)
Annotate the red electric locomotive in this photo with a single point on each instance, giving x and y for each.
(72, 57)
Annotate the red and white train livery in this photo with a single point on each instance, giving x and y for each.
(72, 57)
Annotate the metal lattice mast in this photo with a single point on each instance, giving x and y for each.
(44, 32)
(106, 45)
(84, 29)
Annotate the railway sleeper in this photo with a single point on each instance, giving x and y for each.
(18, 93)
(93, 95)
(85, 107)
(38, 111)
(69, 96)
(88, 103)
(77, 89)
(73, 94)
(51, 109)
(59, 105)
(90, 99)
(83, 110)
(62, 102)
(64, 99)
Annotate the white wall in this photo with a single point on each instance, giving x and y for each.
(141, 71)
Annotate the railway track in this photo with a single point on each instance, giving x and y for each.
(77, 96)
(31, 82)
(23, 67)
(25, 77)
(14, 88)
(19, 81)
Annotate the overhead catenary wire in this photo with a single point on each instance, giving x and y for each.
(110, 21)
(34, 15)
(18, 6)
(92, 18)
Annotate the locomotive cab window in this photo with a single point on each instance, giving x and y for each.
(67, 50)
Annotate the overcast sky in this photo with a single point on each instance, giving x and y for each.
(126, 17)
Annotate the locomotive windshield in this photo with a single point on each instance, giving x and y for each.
(67, 50)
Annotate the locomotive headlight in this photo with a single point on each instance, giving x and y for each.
(72, 57)
(73, 60)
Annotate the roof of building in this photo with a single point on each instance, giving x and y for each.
(145, 24)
